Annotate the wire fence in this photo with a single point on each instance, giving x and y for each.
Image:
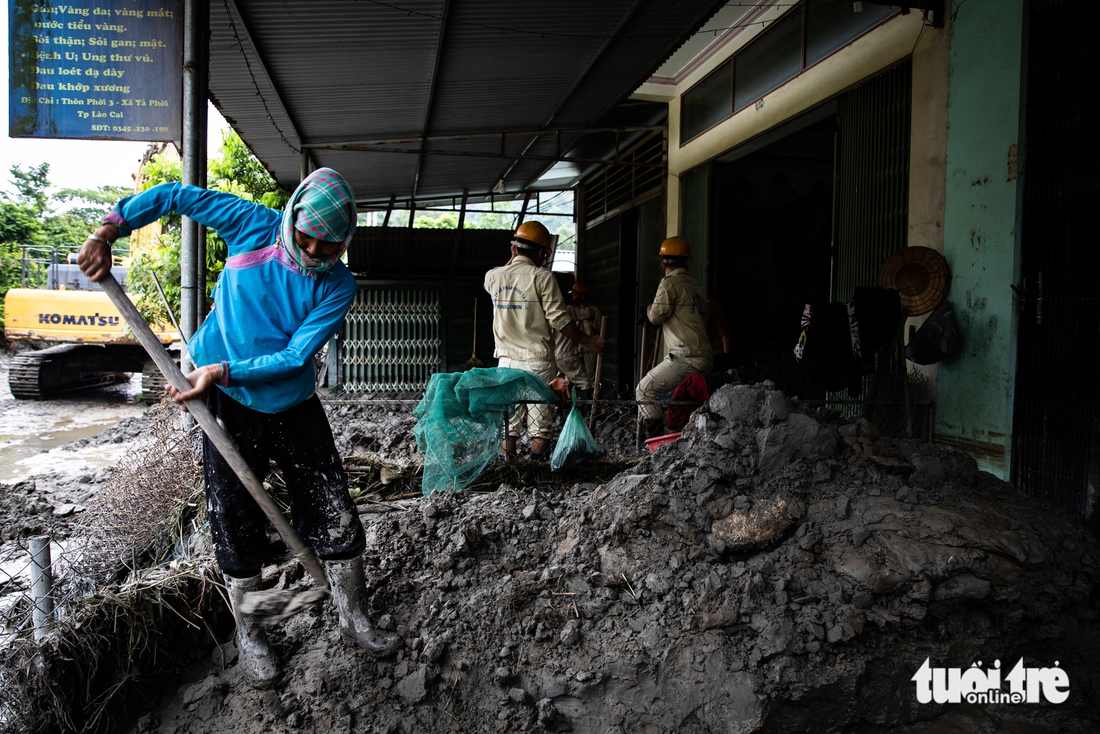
(119, 598)
(380, 425)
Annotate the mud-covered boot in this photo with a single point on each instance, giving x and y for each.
(348, 591)
(654, 427)
(257, 659)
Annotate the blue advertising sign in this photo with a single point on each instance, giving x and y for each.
(98, 69)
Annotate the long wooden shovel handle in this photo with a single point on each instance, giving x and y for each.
(598, 377)
(218, 435)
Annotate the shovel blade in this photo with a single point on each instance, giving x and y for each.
(275, 605)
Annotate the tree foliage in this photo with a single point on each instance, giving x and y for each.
(236, 171)
(34, 220)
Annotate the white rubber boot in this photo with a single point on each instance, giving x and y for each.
(348, 591)
(257, 659)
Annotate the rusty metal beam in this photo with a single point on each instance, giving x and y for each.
(623, 21)
(406, 261)
(523, 211)
(381, 236)
(458, 236)
(431, 92)
(417, 140)
(264, 74)
(480, 154)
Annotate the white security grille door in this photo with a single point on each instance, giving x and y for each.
(392, 340)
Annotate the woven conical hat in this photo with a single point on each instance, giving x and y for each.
(919, 274)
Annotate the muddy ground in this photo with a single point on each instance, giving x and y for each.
(767, 572)
(48, 478)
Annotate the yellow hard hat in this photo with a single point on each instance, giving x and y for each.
(675, 247)
(533, 233)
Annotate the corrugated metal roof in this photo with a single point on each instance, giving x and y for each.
(287, 74)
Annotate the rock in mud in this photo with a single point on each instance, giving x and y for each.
(766, 521)
(413, 688)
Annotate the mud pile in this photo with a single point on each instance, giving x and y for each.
(381, 430)
(766, 572)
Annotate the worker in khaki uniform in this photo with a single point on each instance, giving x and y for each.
(572, 357)
(680, 309)
(527, 303)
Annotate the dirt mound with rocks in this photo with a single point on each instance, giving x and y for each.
(764, 573)
(373, 428)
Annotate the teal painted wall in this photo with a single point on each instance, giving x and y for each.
(974, 402)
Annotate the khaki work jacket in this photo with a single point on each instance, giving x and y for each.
(680, 309)
(587, 320)
(526, 304)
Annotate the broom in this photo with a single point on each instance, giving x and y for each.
(473, 361)
(274, 605)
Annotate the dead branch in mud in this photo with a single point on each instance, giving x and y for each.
(145, 510)
(131, 593)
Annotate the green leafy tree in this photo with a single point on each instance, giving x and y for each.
(90, 206)
(19, 227)
(239, 172)
(32, 186)
(437, 220)
(160, 262)
(235, 171)
(35, 221)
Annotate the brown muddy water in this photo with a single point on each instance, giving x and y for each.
(32, 431)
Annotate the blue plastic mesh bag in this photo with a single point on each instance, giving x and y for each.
(459, 423)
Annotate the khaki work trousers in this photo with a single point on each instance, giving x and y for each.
(539, 418)
(576, 370)
(666, 377)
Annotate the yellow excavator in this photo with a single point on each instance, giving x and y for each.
(59, 305)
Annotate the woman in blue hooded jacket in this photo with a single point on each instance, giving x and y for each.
(283, 292)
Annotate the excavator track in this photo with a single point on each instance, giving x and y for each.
(152, 382)
(68, 368)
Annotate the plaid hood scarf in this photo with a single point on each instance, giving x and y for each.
(323, 206)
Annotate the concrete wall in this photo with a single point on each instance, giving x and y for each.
(928, 154)
(864, 57)
(975, 393)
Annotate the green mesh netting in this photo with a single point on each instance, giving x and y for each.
(460, 421)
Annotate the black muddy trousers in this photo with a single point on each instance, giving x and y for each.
(300, 441)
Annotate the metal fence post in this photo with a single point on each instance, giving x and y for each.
(41, 586)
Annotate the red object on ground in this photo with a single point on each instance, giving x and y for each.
(693, 389)
(652, 444)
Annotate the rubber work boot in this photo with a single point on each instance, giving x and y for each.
(257, 659)
(348, 591)
(654, 427)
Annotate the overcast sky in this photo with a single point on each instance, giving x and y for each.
(75, 164)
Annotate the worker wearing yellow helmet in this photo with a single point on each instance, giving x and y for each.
(680, 309)
(527, 304)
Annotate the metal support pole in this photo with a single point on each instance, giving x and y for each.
(523, 211)
(580, 240)
(193, 162)
(41, 586)
(203, 155)
(204, 108)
